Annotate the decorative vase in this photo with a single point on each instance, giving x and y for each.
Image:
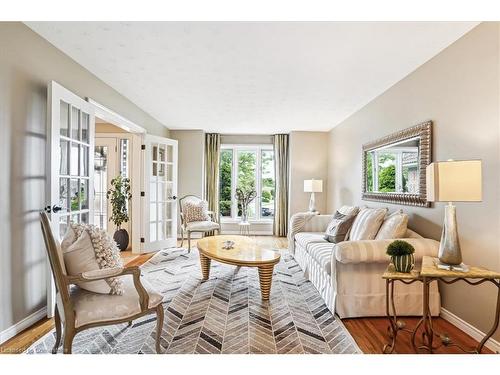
(403, 263)
(121, 238)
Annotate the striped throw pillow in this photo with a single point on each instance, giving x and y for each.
(394, 226)
(367, 224)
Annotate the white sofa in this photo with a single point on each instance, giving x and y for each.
(348, 275)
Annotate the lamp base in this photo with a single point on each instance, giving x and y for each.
(452, 267)
(312, 203)
(449, 248)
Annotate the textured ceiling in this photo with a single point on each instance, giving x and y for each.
(246, 77)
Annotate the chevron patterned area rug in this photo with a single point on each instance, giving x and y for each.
(222, 315)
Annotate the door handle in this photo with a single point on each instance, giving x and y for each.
(174, 197)
(53, 209)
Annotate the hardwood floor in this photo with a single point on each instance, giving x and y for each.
(370, 333)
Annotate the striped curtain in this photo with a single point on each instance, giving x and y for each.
(212, 155)
(281, 167)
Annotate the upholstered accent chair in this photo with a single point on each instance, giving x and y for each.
(78, 309)
(195, 226)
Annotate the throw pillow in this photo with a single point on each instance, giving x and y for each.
(349, 210)
(367, 224)
(195, 211)
(394, 226)
(338, 228)
(89, 248)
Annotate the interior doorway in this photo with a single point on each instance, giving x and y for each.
(113, 153)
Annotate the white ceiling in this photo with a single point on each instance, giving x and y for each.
(257, 77)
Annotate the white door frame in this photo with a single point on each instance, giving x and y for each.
(134, 135)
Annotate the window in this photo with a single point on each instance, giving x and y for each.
(247, 167)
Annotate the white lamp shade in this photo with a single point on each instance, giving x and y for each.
(454, 181)
(313, 186)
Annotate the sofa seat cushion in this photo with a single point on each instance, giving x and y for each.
(95, 307)
(304, 239)
(322, 255)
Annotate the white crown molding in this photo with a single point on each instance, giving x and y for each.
(469, 329)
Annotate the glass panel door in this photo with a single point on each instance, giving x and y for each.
(70, 138)
(104, 170)
(160, 205)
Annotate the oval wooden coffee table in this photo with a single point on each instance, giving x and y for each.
(245, 253)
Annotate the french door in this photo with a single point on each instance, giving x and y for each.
(71, 127)
(159, 224)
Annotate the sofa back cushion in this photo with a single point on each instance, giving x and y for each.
(367, 223)
(339, 227)
(394, 226)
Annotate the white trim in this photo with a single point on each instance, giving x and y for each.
(469, 329)
(22, 325)
(114, 118)
(252, 232)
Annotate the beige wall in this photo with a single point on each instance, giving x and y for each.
(308, 159)
(27, 64)
(190, 162)
(459, 91)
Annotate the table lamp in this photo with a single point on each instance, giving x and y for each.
(313, 186)
(453, 181)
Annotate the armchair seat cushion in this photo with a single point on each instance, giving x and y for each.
(202, 226)
(304, 239)
(95, 307)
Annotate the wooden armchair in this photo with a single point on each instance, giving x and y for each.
(78, 309)
(195, 226)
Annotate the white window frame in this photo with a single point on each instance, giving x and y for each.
(257, 148)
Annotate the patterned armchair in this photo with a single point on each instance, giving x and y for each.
(189, 226)
(77, 309)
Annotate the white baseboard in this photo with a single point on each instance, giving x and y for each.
(252, 232)
(23, 324)
(469, 329)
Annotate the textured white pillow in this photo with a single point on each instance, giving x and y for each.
(196, 211)
(367, 224)
(349, 210)
(394, 226)
(88, 248)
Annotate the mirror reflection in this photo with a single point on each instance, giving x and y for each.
(394, 168)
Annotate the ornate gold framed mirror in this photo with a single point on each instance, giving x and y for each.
(394, 166)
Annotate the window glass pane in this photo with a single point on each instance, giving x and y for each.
(84, 217)
(152, 192)
(170, 153)
(63, 194)
(73, 169)
(225, 173)
(63, 164)
(267, 184)
(124, 157)
(152, 231)
(152, 212)
(63, 225)
(84, 161)
(64, 119)
(75, 123)
(85, 127)
(247, 162)
(154, 151)
(84, 194)
(161, 153)
(74, 195)
(100, 186)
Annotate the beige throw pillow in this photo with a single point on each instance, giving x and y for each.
(89, 248)
(367, 224)
(196, 211)
(394, 226)
(338, 228)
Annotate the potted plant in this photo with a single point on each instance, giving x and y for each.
(119, 196)
(401, 253)
(244, 196)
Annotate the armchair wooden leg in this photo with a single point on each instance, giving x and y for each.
(57, 321)
(159, 326)
(129, 324)
(189, 241)
(182, 237)
(69, 334)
